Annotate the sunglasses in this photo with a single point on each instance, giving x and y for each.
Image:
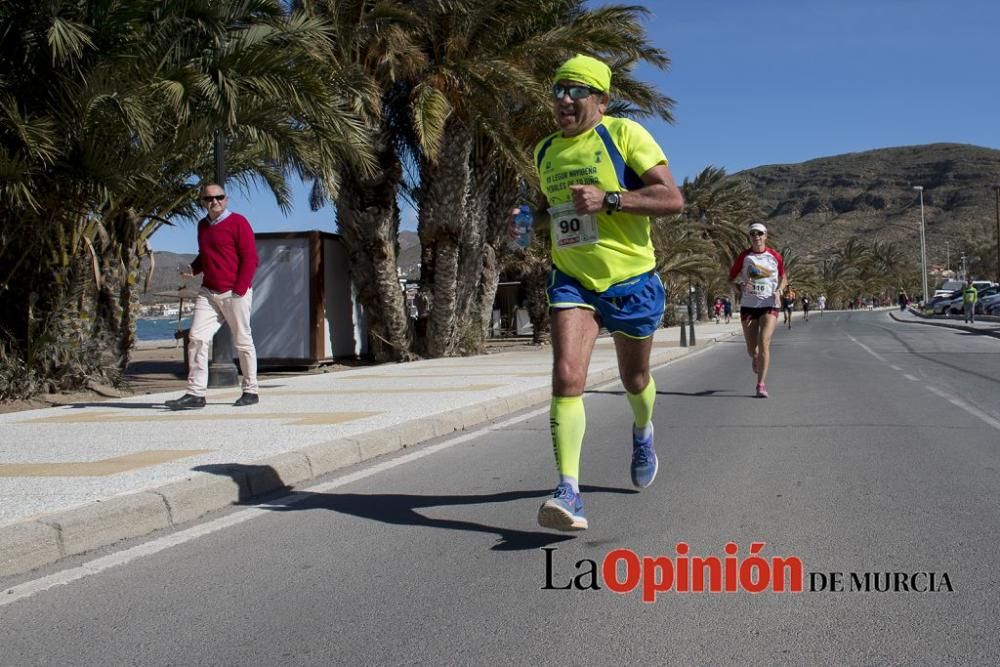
(756, 233)
(574, 92)
(208, 198)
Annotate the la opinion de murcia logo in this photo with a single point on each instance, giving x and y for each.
(623, 571)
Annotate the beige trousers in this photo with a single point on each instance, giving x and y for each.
(211, 310)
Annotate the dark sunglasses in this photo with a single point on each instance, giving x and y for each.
(208, 198)
(575, 92)
(756, 233)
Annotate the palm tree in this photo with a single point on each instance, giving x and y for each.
(701, 244)
(109, 120)
(460, 85)
(374, 54)
(485, 67)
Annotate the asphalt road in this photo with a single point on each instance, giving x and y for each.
(876, 453)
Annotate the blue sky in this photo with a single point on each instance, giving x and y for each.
(781, 81)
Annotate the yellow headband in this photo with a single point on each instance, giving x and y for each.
(587, 70)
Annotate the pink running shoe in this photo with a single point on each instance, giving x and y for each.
(761, 391)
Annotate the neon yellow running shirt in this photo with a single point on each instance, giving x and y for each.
(613, 155)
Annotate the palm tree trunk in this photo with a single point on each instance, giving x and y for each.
(368, 221)
(442, 222)
(494, 195)
(468, 314)
(488, 283)
(538, 306)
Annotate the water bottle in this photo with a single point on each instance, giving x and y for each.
(522, 225)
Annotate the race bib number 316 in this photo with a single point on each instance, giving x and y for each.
(571, 229)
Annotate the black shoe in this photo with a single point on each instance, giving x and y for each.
(186, 402)
(247, 399)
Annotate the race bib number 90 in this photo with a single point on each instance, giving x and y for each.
(572, 229)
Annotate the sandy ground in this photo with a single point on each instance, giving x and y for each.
(158, 366)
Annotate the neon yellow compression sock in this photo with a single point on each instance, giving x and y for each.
(642, 404)
(567, 422)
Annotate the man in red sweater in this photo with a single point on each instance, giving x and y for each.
(227, 256)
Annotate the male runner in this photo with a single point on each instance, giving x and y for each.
(601, 177)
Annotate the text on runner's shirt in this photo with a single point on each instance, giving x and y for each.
(760, 274)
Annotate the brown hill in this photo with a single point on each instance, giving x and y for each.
(166, 276)
(814, 205)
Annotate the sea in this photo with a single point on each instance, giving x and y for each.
(159, 328)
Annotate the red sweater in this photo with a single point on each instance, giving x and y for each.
(227, 254)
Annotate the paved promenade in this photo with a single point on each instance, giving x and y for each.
(83, 476)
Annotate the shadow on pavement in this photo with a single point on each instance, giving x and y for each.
(711, 393)
(255, 482)
(156, 367)
(258, 484)
(110, 404)
(135, 406)
(401, 509)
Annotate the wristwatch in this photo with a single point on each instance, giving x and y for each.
(612, 202)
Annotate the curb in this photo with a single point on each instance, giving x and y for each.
(45, 539)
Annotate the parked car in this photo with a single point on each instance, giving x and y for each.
(957, 306)
(935, 300)
(940, 304)
(990, 304)
(983, 284)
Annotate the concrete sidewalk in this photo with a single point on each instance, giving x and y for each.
(83, 476)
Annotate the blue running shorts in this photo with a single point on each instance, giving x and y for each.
(633, 307)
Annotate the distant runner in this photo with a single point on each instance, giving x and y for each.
(759, 271)
(788, 304)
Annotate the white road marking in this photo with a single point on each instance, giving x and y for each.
(896, 368)
(910, 377)
(868, 349)
(972, 410)
(98, 565)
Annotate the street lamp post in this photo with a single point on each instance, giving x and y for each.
(691, 340)
(221, 369)
(923, 244)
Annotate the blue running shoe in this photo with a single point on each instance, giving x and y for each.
(644, 461)
(563, 511)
